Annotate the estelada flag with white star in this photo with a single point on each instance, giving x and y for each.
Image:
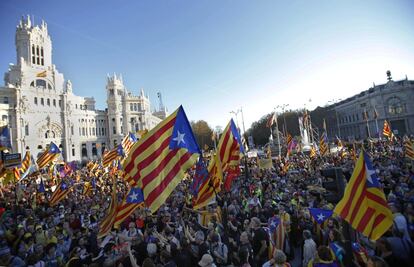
(227, 158)
(133, 200)
(158, 161)
(320, 215)
(364, 205)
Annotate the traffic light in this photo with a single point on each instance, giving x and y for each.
(334, 184)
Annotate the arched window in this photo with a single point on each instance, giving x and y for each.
(48, 102)
(26, 129)
(49, 134)
(33, 55)
(37, 56)
(395, 105)
(6, 100)
(42, 61)
(41, 83)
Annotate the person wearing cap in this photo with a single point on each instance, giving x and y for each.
(40, 235)
(206, 261)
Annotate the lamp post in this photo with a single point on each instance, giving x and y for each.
(235, 114)
(283, 107)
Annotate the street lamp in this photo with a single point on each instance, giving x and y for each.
(283, 107)
(235, 114)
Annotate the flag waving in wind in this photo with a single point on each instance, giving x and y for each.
(387, 132)
(158, 161)
(51, 153)
(364, 205)
(128, 142)
(226, 159)
(60, 193)
(320, 215)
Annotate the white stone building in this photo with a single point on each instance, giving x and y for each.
(39, 106)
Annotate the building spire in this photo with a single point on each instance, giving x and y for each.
(389, 78)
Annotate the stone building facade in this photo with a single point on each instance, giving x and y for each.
(38, 104)
(363, 115)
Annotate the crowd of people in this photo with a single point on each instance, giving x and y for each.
(234, 230)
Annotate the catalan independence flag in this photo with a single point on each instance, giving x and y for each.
(51, 153)
(25, 162)
(106, 224)
(112, 155)
(227, 157)
(127, 142)
(387, 131)
(60, 193)
(313, 154)
(133, 200)
(364, 205)
(323, 144)
(409, 149)
(158, 161)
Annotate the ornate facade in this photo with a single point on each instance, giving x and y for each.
(39, 106)
(363, 115)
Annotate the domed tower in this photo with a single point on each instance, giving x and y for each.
(115, 90)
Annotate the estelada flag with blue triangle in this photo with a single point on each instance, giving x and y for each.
(51, 153)
(227, 158)
(157, 162)
(41, 188)
(320, 215)
(133, 199)
(364, 205)
(5, 141)
(200, 176)
(62, 189)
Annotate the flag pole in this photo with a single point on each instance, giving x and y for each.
(277, 134)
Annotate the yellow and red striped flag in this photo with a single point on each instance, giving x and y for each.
(16, 172)
(312, 153)
(87, 188)
(387, 132)
(128, 142)
(114, 154)
(60, 193)
(25, 162)
(106, 224)
(51, 153)
(157, 162)
(133, 200)
(409, 149)
(227, 156)
(323, 144)
(364, 205)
